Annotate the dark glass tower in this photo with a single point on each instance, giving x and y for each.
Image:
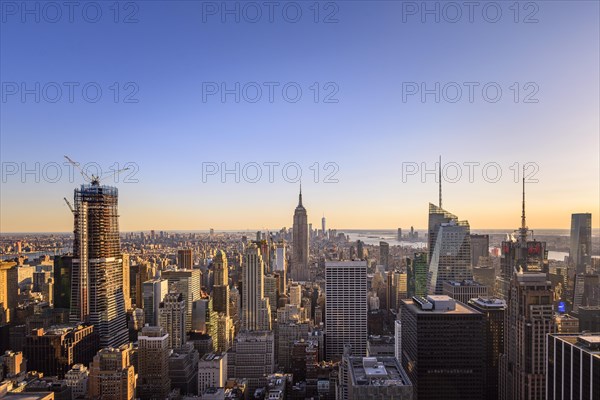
(580, 251)
(97, 267)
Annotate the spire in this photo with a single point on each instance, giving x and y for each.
(523, 224)
(523, 230)
(440, 182)
(300, 196)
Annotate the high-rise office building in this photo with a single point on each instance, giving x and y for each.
(449, 249)
(443, 346)
(398, 340)
(323, 227)
(529, 315)
(221, 283)
(573, 366)
(529, 318)
(360, 249)
(480, 247)
(384, 254)
(126, 281)
(153, 363)
(345, 308)
(580, 250)
(171, 317)
(97, 269)
(493, 312)
(184, 259)
(62, 281)
(56, 350)
(252, 357)
(111, 375)
(281, 265)
(9, 290)
(204, 319)
(586, 291)
(417, 271)
(300, 251)
(186, 282)
(225, 333)
(256, 310)
(296, 294)
(399, 236)
(153, 292)
(183, 369)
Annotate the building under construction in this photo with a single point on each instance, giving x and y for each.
(96, 285)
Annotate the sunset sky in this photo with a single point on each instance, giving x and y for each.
(368, 61)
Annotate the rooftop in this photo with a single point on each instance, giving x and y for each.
(437, 305)
(486, 302)
(377, 371)
(466, 282)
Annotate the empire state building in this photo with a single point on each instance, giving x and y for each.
(300, 270)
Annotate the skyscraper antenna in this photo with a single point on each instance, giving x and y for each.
(440, 182)
(523, 224)
(300, 196)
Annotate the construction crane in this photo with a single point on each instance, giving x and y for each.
(94, 179)
(69, 204)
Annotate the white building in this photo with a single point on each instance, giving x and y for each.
(212, 371)
(77, 380)
(345, 308)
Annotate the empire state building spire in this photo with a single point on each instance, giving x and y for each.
(300, 250)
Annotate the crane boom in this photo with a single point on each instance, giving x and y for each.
(69, 204)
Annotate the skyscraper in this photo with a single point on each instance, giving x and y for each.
(186, 282)
(256, 310)
(580, 251)
(573, 366)
(97, 270)
(529, 318)
(221, 285)
(480, 247)
(54, 351)
(184, 259)
(493, 312)
(153, 363)
(384, 254)
(300, 251)
(323, 227)
(345, 308)
(252, 357)
(281, 265)
(171, 317)
(417, 271)
(9, 290)
(443, 348)
(153, 292)
(449, 249)
(62, 281)
(111, 375)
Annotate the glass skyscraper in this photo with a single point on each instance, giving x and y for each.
(580, 251)
(449, 249)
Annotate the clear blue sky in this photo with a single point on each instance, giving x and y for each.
(368, 54)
